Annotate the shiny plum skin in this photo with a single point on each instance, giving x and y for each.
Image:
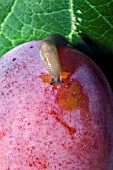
(54, 127)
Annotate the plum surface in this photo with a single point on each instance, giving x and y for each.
(54, 127)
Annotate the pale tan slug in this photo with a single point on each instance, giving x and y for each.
(49, 54)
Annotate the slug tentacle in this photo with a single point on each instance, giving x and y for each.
(49, 54)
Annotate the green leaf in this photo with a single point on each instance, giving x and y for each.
(94, 19)
(23, 20)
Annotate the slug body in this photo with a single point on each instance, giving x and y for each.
(49, 54)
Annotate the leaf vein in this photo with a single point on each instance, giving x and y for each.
(73, 20)
(103, 35)
(9, 13)
(93, 7)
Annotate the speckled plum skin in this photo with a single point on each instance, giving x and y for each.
(54, 127)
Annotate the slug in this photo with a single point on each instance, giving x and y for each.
(49, 54)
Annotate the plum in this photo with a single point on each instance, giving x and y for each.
(62, 127)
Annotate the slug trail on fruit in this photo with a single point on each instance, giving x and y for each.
(49, 54)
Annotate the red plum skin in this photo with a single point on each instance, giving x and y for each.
(54, 127)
